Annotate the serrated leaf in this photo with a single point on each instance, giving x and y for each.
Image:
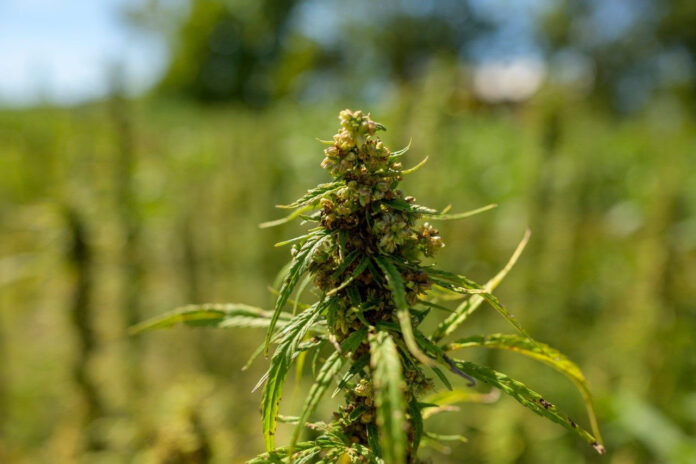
(414, 410)
(540, 352)
(287, 348)
(388, 387)
(293, 240)
(403, 205)
(528, 398)
(460, 395)
(345, 263)
(466, 214)
(313, 195)
(356, 367)
(466, 286)
(365, 452)
(327, 373)
(280, 456)
(209, 315)
(466, 308)
(296, 303)
(396, 287)
(298, 267)
(394, 281)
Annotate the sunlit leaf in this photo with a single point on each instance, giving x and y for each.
(292, 335)
(464, 310)
(210, 315)
(389, 397)
(295, 214)
(466, 214)
(541, 352)
(528, 398)
(359, 269)
(399, 153)
(415, 168)
(298, 267)
(314, 194)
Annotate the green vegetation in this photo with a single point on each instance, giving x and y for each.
(608, 278)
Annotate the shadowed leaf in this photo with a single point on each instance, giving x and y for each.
(327, 373)
(396, 286)
(209, 315)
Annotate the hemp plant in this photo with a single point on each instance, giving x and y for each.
(367, 255)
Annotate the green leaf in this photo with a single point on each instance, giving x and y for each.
(403, 205)
(540, 352)
(356, 367)
(396, 286)
(439, 437)
(415, 168)
(287, 348)
(209, 315)
(468, 287)
(394, 281)
(280, 456)
(414, 410)
(399, 153)
(345, 262)
(298, 267)
(460, 395)
(389, 397)
(466, 214)
(368, 453)
(442, 377)
(295, 214)
(359, 269)
(528, 398)
(373, 438)
(314, 195)
(296, 303)
(296, 239)
(327, 373)
(464, 310)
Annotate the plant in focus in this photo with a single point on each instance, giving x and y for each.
(365, 255)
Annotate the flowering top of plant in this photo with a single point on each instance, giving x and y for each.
(364, 256)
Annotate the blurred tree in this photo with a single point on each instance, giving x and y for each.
(228, 50)
(404, 36)
(636, 49)
(253, 52)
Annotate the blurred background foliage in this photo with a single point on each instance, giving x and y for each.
(577, 118)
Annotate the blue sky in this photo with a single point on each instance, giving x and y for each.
(61, 50)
